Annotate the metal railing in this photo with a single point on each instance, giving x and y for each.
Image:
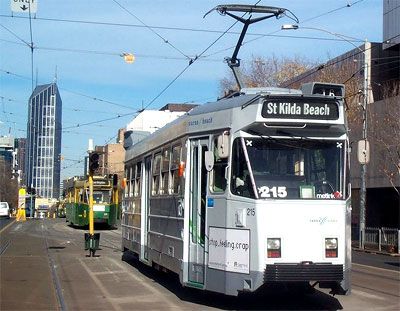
(379, 239)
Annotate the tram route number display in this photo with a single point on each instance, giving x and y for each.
(229, 249)
(300, 109)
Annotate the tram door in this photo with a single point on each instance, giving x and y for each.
(144, 222)
(197, 216)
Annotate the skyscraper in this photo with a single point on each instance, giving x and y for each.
(43, 146)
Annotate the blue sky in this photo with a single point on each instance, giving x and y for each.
(87, 56)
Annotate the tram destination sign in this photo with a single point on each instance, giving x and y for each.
(300, 108)
(101, 182)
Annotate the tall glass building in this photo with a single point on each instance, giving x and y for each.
(43, 146)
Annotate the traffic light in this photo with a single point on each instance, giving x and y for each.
(31, 190)
(115, 180)
(93, 161)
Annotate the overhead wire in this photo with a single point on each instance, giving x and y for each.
(151, 29)
(169, 84)
(165, 28)
(72, 92)
(117, 54)
(188, 65)
(276, 31)
(31, 36)
(99, 121)
(332, 11)
(339, 59)
(325, 65)
(15, 35)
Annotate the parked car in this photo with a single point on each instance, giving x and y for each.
(4, 210)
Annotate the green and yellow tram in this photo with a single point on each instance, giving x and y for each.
(105, 200)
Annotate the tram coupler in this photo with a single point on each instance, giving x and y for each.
(92, 242)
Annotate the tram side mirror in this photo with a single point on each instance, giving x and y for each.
(209, 160)
(223, 146)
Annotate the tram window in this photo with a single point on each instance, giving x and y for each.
(137, 187)
(137, 178)
(175, 181)
(240, 183)
(156, 184)
(165, 161)
(218, 174)
(164, 177)
(165, 172)
(156, 174)
(175, 161)
(282, 168)
(131, 180)
(126, 190)
(101, 197)
(176, 157)
(157, 163)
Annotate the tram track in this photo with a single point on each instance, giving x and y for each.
(114, 245)
(4, 247)
(54, 276)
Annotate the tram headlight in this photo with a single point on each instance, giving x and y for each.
(274, 247)
(331, 247)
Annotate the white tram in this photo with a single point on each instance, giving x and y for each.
(246, 191)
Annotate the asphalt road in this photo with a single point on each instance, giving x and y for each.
(376, 260)
(5, 221)
(44, 267)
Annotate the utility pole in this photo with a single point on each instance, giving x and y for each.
(363, 144)
(364, 158)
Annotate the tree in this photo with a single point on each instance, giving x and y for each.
(266, 71)
(383, 116)
(8, 184)
(385, 132)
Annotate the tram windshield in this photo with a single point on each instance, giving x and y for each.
(287, 168)
(102, 197)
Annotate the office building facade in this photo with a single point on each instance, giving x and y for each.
(43, 147)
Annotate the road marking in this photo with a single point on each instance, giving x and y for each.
(371, 267)
(7, 226)
(16, 228)
(99, 285)
(4, 248)
(108, 272)
(366, 295)
(142, 280)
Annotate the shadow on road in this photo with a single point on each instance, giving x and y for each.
(99, 227)
(265, 298)
(393, 263)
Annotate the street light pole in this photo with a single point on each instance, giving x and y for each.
(363, 189)
(365, 149)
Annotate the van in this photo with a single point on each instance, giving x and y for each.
(4, 210)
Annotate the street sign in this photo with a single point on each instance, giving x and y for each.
(24, 6)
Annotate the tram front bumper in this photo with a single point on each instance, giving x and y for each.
(303, 272)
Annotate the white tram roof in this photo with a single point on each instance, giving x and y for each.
(219, 115)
